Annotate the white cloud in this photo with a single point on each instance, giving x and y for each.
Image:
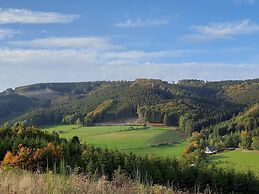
(38, 57)
(66, 42)
(79, 59)
(7, 33)
(39, 65)
(81, 56)
(8, 16)
(139, 22)
(138, 55)
(107, 50)
(215, 31)
(81, 65)
(244, 1)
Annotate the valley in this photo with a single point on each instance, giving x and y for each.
(129, 97)
(149, 129)
(135, 139)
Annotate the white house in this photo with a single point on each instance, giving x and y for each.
(211, 150)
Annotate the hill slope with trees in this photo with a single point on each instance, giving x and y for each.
(192, 104)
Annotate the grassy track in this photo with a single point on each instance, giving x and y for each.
(241, 160)
(136, 141)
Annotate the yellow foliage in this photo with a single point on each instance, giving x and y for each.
(254, 111)
(100, 109)
(245, 134)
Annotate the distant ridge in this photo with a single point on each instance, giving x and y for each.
(151, 100)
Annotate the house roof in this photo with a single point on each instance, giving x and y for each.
(212, 148)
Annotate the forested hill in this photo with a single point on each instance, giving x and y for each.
(194, 102)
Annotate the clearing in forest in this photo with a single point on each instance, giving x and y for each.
(161, 141)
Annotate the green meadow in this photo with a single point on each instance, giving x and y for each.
(241, 160)
(141, 141)
(161, 141)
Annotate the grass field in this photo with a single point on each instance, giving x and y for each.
(136, 141)
(241, 160)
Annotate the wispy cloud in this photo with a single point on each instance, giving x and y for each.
(214, 31)
(66, 42)
(108, 51)
(82, 56)
(142, 55)
(45, 65)
(238, 49)
(7, 33)
(51, 60)
(8, 16)
(139, 22)
(244, 1)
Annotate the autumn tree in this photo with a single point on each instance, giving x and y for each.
(246, 139)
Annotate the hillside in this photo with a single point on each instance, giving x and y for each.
(246, 121)
(240, 132)
(201, 103)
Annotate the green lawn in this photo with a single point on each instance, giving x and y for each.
(241, 160)
(136, 141)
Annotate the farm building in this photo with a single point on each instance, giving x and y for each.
(211, 150)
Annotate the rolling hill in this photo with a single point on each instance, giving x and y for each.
(201, 103)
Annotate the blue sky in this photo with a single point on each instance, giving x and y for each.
(61, 41)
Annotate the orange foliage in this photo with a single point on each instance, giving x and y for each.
(10, 159)
(55, 150)
(191, 147)
(29, 158)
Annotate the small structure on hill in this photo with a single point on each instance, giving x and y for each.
(211, 150)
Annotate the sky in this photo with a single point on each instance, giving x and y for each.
(88, 40)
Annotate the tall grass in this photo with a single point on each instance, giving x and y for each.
(24, 182)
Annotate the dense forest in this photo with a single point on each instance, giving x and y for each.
(192, 104)
(241, 131)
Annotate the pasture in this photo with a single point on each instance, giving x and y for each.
(241, 160)
(160, 141)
